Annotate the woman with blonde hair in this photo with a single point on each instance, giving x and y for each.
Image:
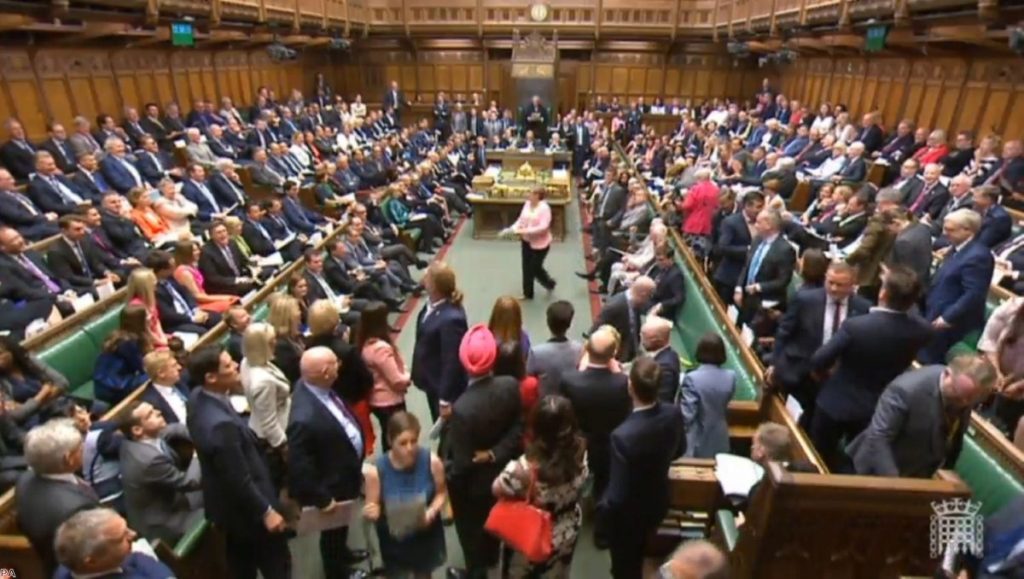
(436, 366)
(186, 255)
(267, 389)
(176, 210)
(141, 290)
(506, 323)
(152, 225)
(286, 318)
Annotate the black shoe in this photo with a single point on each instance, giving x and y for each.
(586, 276)
(551, 287)
(422, 264)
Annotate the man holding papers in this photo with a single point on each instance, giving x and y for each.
(325, 451)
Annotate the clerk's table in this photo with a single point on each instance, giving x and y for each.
(499, 194)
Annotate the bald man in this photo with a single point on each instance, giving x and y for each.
(601, 400)
(696, 560)
(655, 336)
(623, 311)
(325, 453)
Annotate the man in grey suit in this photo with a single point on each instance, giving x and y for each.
(920, 420)
(913, 244)
(199, 152)
(560, 354)
(622, 312)
(155, 484)
(656, 338)
(49, 493)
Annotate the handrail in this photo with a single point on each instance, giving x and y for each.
(74, 321)
(748, 359)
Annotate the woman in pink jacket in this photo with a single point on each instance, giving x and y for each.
(390, 377)
(534, 228)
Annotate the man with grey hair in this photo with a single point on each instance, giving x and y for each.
(197, 150)
(325, 453)
(82, 141)
(49, 493)
(697, 559)
(764, 280)
(959, 289)
(622, 311)
(960, 198)
(118, 170)
(655, 336)
(98, 543)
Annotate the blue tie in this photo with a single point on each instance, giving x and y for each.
(755, 263)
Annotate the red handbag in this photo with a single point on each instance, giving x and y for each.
(522, 526)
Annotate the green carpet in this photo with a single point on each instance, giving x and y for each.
(485, 271)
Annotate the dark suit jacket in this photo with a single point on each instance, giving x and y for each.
(611, 203)
(601, 401)
(670, 291)
(124, 234)
(488, 416)
(932, 205)
(18, 160)
(996, 226)
(913, 248)
(170, 319)
(15, 214)
(436, 367)
(94, 188)
(135, 566)
(42, 505)
(897, 149)
(323, 464)
(12, 272)
(907, 437)
(227, 191)
(800, 333)
(65, 264)
(147, 165)
(192, 192)
(117, 175)
(150, 395)
(775, 272)
(642, 448)
(253, 235)
(223, 149)
(870, 351)
(237, 489)
(959, 288)
(871, 137)
(300, 218)
(62, 153)
(616, 313)
(668, 359)
(855, 170)
(732, 247)
(219, 277)
(46, 197)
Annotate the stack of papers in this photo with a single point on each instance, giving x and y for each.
(737, 474)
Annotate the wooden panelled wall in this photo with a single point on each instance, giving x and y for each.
(984, 95)
(625, 75)
(55, 85)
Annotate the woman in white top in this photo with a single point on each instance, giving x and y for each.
(845, 132)
(267, 391)
(823, 122)
(831, 166)
(174, 208)
(298, 149)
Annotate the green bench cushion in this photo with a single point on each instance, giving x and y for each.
(73, 357)
(991, 484)
(726, 523)
(191, 539)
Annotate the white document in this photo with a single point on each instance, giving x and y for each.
(248, 297)
(737, 474)
(747, 335)
(435, 430)
(793, 407)
(239, 403)
(273, 260)
(82, 302)
(188, 339)
(732, 312)
(314, 520)
(493, 171)
(418, 217)
(142, 546)
(316, 238)
(105, 290)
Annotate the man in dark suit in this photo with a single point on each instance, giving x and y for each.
(238, 493)
(57, 145)
(121, 231)
(768, 269)
(26, 272)
(178, 309)
(856, 169)
(921, 418)
(53, 192)
(156, 479)
(933, 195)
(350, 283)
(325, 453)
(955, 304)
(811, 319)
(1009, 258)
(165, 391)
(656, 336)
(868, 352)
(610, 203)
(996, 223)
(118, 169)
(440, 326)
(959, 198)
(50, 493)
(909, 183)
(223, 264)
(912, 246)
(154, 127)
(484, 433)
(899, 145)
(227, 186)
(96, 542)
(734, 244)
(196, 188)
(99, 243)
(154, 164)
(89, 179)
(78, 263)
(622, 311)
(871, 134)
(395, 100)
(18, 211)
(601, 402)
(220, 146)
(670, 286)
(17, 154)
(642, 448)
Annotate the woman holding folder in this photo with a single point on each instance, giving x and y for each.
(534, 230)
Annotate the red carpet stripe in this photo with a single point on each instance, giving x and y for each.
(595, 300)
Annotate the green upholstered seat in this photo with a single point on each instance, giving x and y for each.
(191, 539)
(726, 523)
(991, 483)
(73, 357)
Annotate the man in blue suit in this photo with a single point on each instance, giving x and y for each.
(298, 217)
(733, 245)
(955, 304)
(53, 192)
(996, 223)
(154, 164)
(440, 325)
(196, 189)
(325, 454)
(238, 494)
(119, 172)
(868, 352)
(642, 447)
(98, 543)
(20, 212)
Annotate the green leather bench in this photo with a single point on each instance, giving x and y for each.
(76, 355)
(991, 483)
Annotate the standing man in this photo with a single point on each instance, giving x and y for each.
(867, 352)
(622, 311)
(239, 495)
(955, 304)
(325, 454)
(656, 336)
(440, 326)
(919, 424)
(642, 448)
(733, 244)
(536, 118)
(560, 354)
(442, 117)
(810, 321)
(768, 270)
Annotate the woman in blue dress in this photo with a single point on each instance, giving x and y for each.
(405, 494)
